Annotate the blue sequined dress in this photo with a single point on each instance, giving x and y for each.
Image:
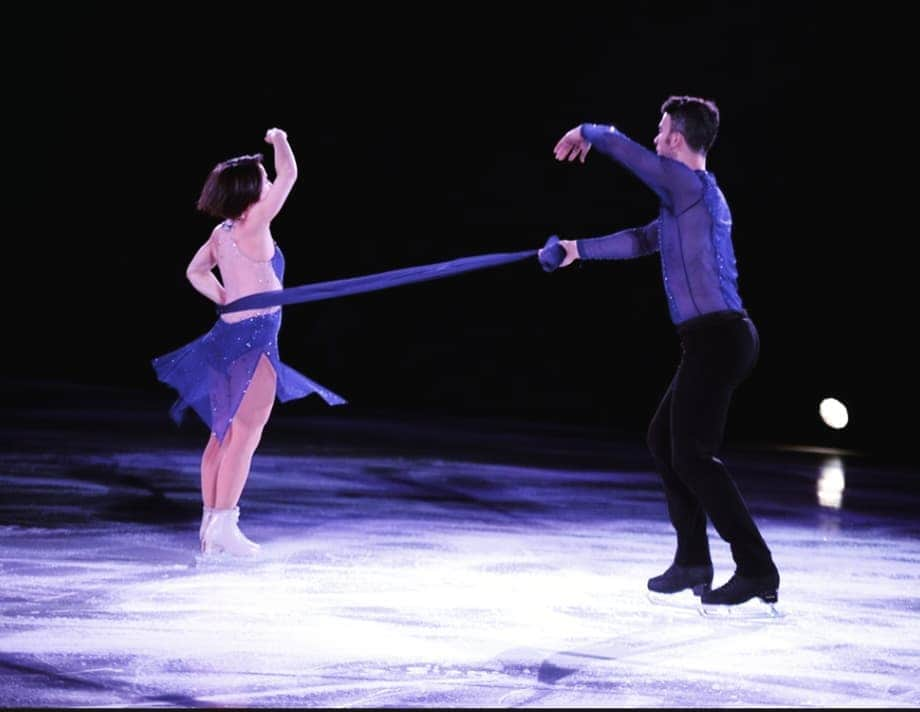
(212, 373)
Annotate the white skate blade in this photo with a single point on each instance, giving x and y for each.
(223, 559)
(754, 609)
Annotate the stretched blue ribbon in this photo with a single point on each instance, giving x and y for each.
(381, 280)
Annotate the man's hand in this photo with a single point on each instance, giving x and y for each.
(572, 146)
(571, 250)
(557, 253)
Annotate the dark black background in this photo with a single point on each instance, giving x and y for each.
(426, 135)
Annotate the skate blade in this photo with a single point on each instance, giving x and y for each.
(754, 609)
(223, 560)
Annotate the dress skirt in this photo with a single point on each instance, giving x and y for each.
(212, 373)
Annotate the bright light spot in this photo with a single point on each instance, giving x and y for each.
(831, 483)
(833, 413)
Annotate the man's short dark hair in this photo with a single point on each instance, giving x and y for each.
(697, 119)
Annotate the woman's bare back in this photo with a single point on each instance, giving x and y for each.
(247, 263)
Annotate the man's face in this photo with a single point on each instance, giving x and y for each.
(665, 141)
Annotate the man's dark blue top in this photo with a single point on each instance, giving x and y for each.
(692, 233)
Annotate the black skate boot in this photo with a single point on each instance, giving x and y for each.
(740, 588)
(677, 578)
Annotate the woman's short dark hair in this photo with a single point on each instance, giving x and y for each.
(697, 119)
(231, 187)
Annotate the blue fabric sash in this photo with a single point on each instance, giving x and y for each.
(372, 282)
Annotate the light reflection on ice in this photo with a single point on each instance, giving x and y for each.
(831, 483)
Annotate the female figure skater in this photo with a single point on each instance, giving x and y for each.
(232, 375)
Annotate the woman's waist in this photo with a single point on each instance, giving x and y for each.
(268, 318)
(236, 317)
(234, 291)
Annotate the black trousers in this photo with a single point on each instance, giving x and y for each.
(718, 351)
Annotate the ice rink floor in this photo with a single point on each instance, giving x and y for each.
(434, 564)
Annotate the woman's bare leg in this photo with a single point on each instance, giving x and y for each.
(210, 462)
(243, 436)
